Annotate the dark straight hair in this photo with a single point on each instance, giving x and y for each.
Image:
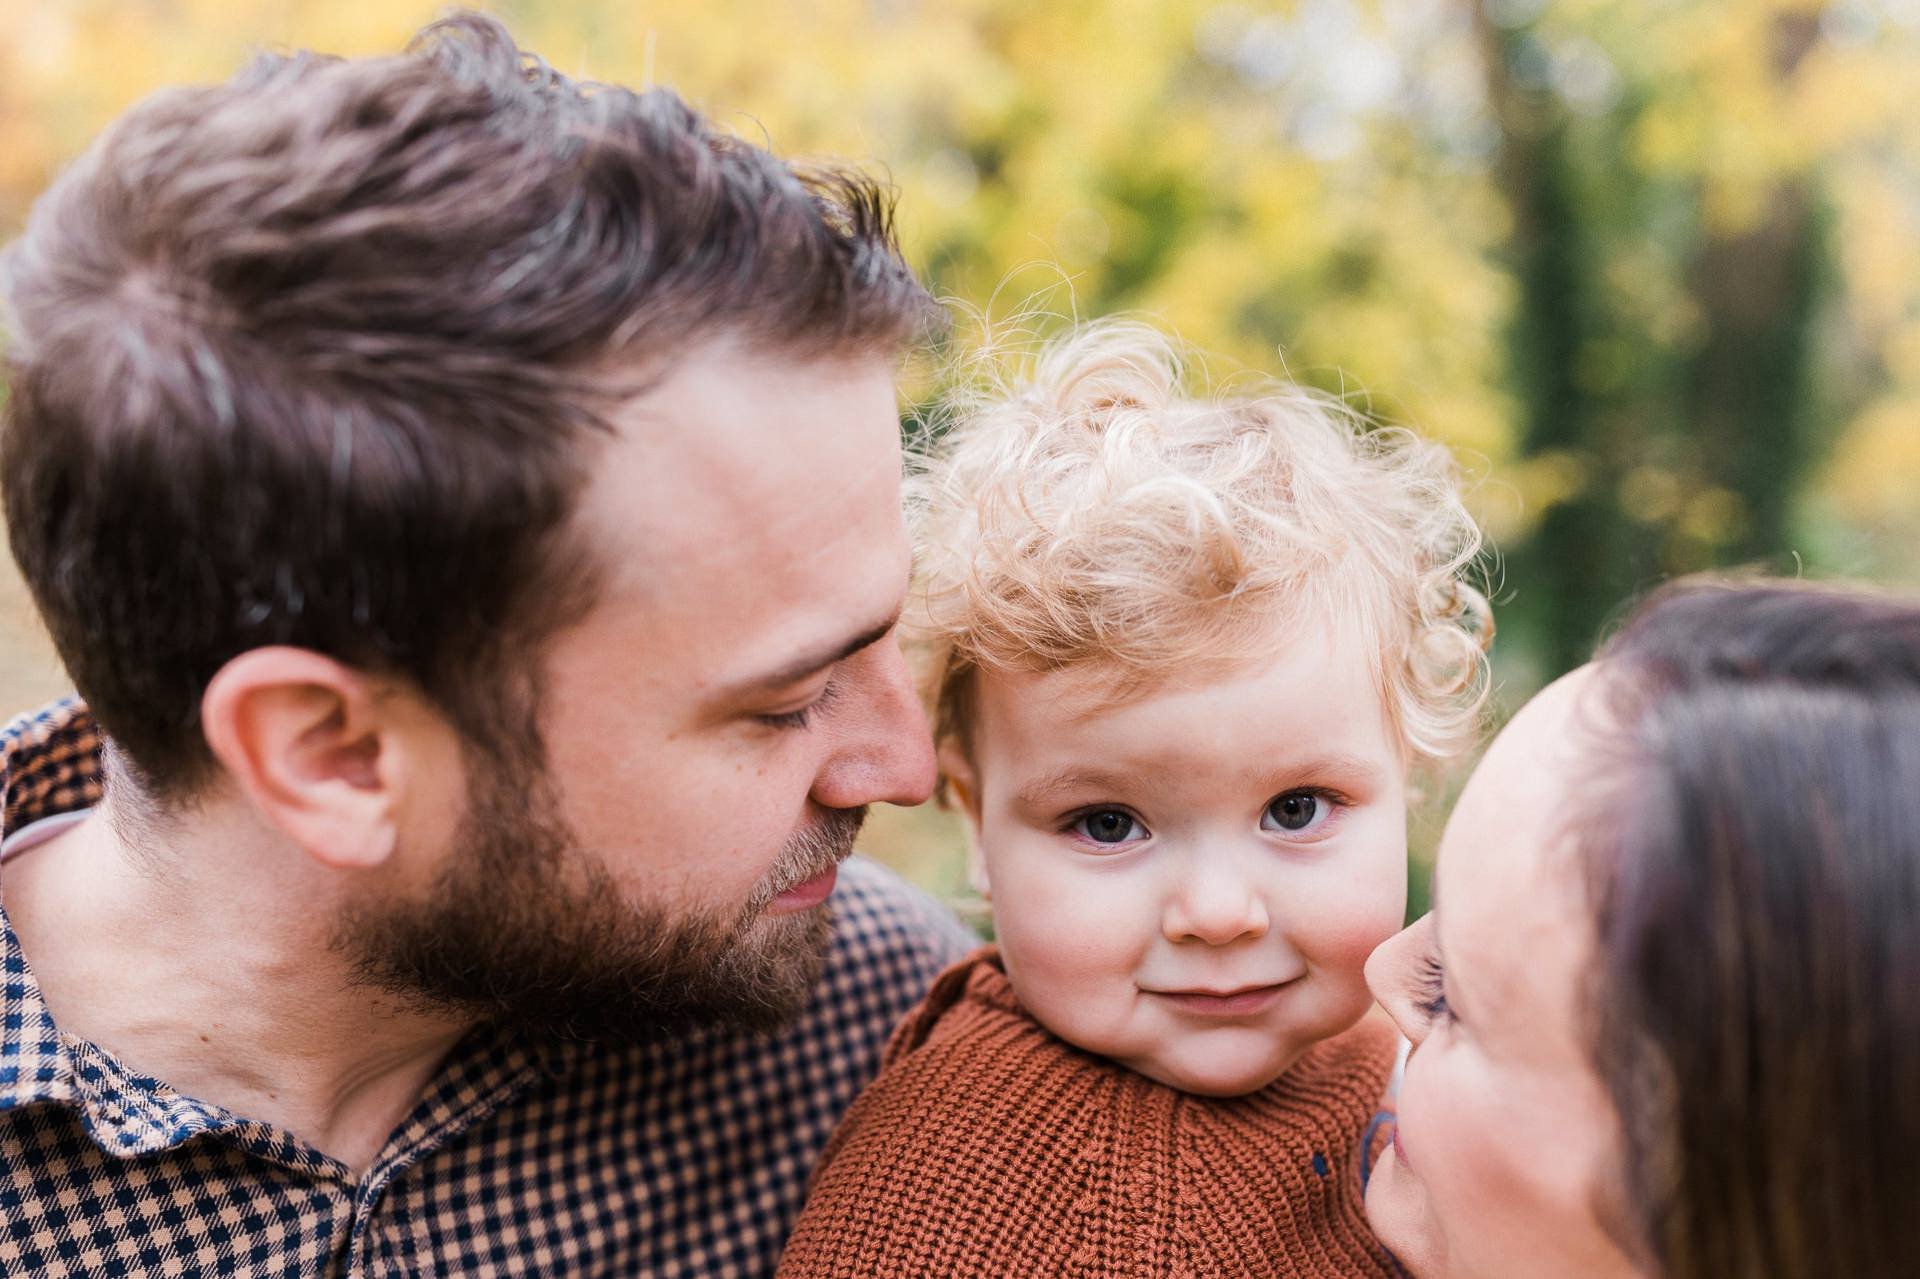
(1755, 852)
(316, 357)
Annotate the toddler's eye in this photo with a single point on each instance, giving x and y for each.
(1109, 826)
(1297, 811)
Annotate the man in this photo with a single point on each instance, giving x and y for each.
(468, 503)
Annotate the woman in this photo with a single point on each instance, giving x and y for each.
(1666, 1014)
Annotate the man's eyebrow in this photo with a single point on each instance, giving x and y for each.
(812, 663)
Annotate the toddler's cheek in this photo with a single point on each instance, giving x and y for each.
(1343, 939)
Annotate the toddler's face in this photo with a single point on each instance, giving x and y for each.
(1190, 882)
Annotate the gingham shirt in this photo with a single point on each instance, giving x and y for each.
(685, 1156)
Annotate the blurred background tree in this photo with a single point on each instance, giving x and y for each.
(1652, 267)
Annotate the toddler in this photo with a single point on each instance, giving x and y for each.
(1182, 655)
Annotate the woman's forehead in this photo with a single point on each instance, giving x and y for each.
(1510, 911)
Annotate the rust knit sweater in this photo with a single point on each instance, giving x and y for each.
(989, 1148)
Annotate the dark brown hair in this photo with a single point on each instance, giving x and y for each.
(1756, 857)
(312, 357)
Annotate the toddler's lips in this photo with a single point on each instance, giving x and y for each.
(1244, 1002)
(806, 893)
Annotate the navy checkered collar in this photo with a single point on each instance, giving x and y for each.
(50, 764)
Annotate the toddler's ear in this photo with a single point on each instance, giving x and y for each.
(977, 869)
(957, 773)
(966, 798)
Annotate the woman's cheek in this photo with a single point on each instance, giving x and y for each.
(1399, 1202)
(1414, 1105)
(1397, 1210)
(1445, 1153)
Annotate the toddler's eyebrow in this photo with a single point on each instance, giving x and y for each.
(1328, 768)
(1352, 770)
(1071, 778)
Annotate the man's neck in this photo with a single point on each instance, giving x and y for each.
(206, 962)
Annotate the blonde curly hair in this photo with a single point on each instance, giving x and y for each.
(1092, 512)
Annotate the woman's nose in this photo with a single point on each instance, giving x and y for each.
(1392, 975)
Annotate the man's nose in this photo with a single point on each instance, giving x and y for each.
(882, 751)
(1215, 902)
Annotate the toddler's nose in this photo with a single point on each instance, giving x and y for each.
(1215, 905)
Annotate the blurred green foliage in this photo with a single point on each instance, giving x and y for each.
(1651, 267)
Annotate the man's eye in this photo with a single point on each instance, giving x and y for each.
(1108, 826)
(803, 717)
(1297, 812)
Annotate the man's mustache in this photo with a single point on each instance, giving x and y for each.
(811, 851)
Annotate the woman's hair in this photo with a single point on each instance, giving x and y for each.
(1091, 512)
(1755, 852)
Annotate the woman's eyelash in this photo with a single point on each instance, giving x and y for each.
(1432, 995)
(804, 716)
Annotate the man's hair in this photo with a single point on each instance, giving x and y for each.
(1092, 512)
(1753, 843)
(312, 357)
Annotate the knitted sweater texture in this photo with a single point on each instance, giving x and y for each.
(988, 1148)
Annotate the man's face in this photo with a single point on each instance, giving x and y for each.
(713, 727)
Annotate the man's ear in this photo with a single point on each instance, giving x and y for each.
(964, 788)
(312, 744)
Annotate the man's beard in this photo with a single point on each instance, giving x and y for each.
(525, 928)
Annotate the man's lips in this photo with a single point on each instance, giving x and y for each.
(806, 893)
(1237, 1001)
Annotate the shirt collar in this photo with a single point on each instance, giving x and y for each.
(49, 764)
